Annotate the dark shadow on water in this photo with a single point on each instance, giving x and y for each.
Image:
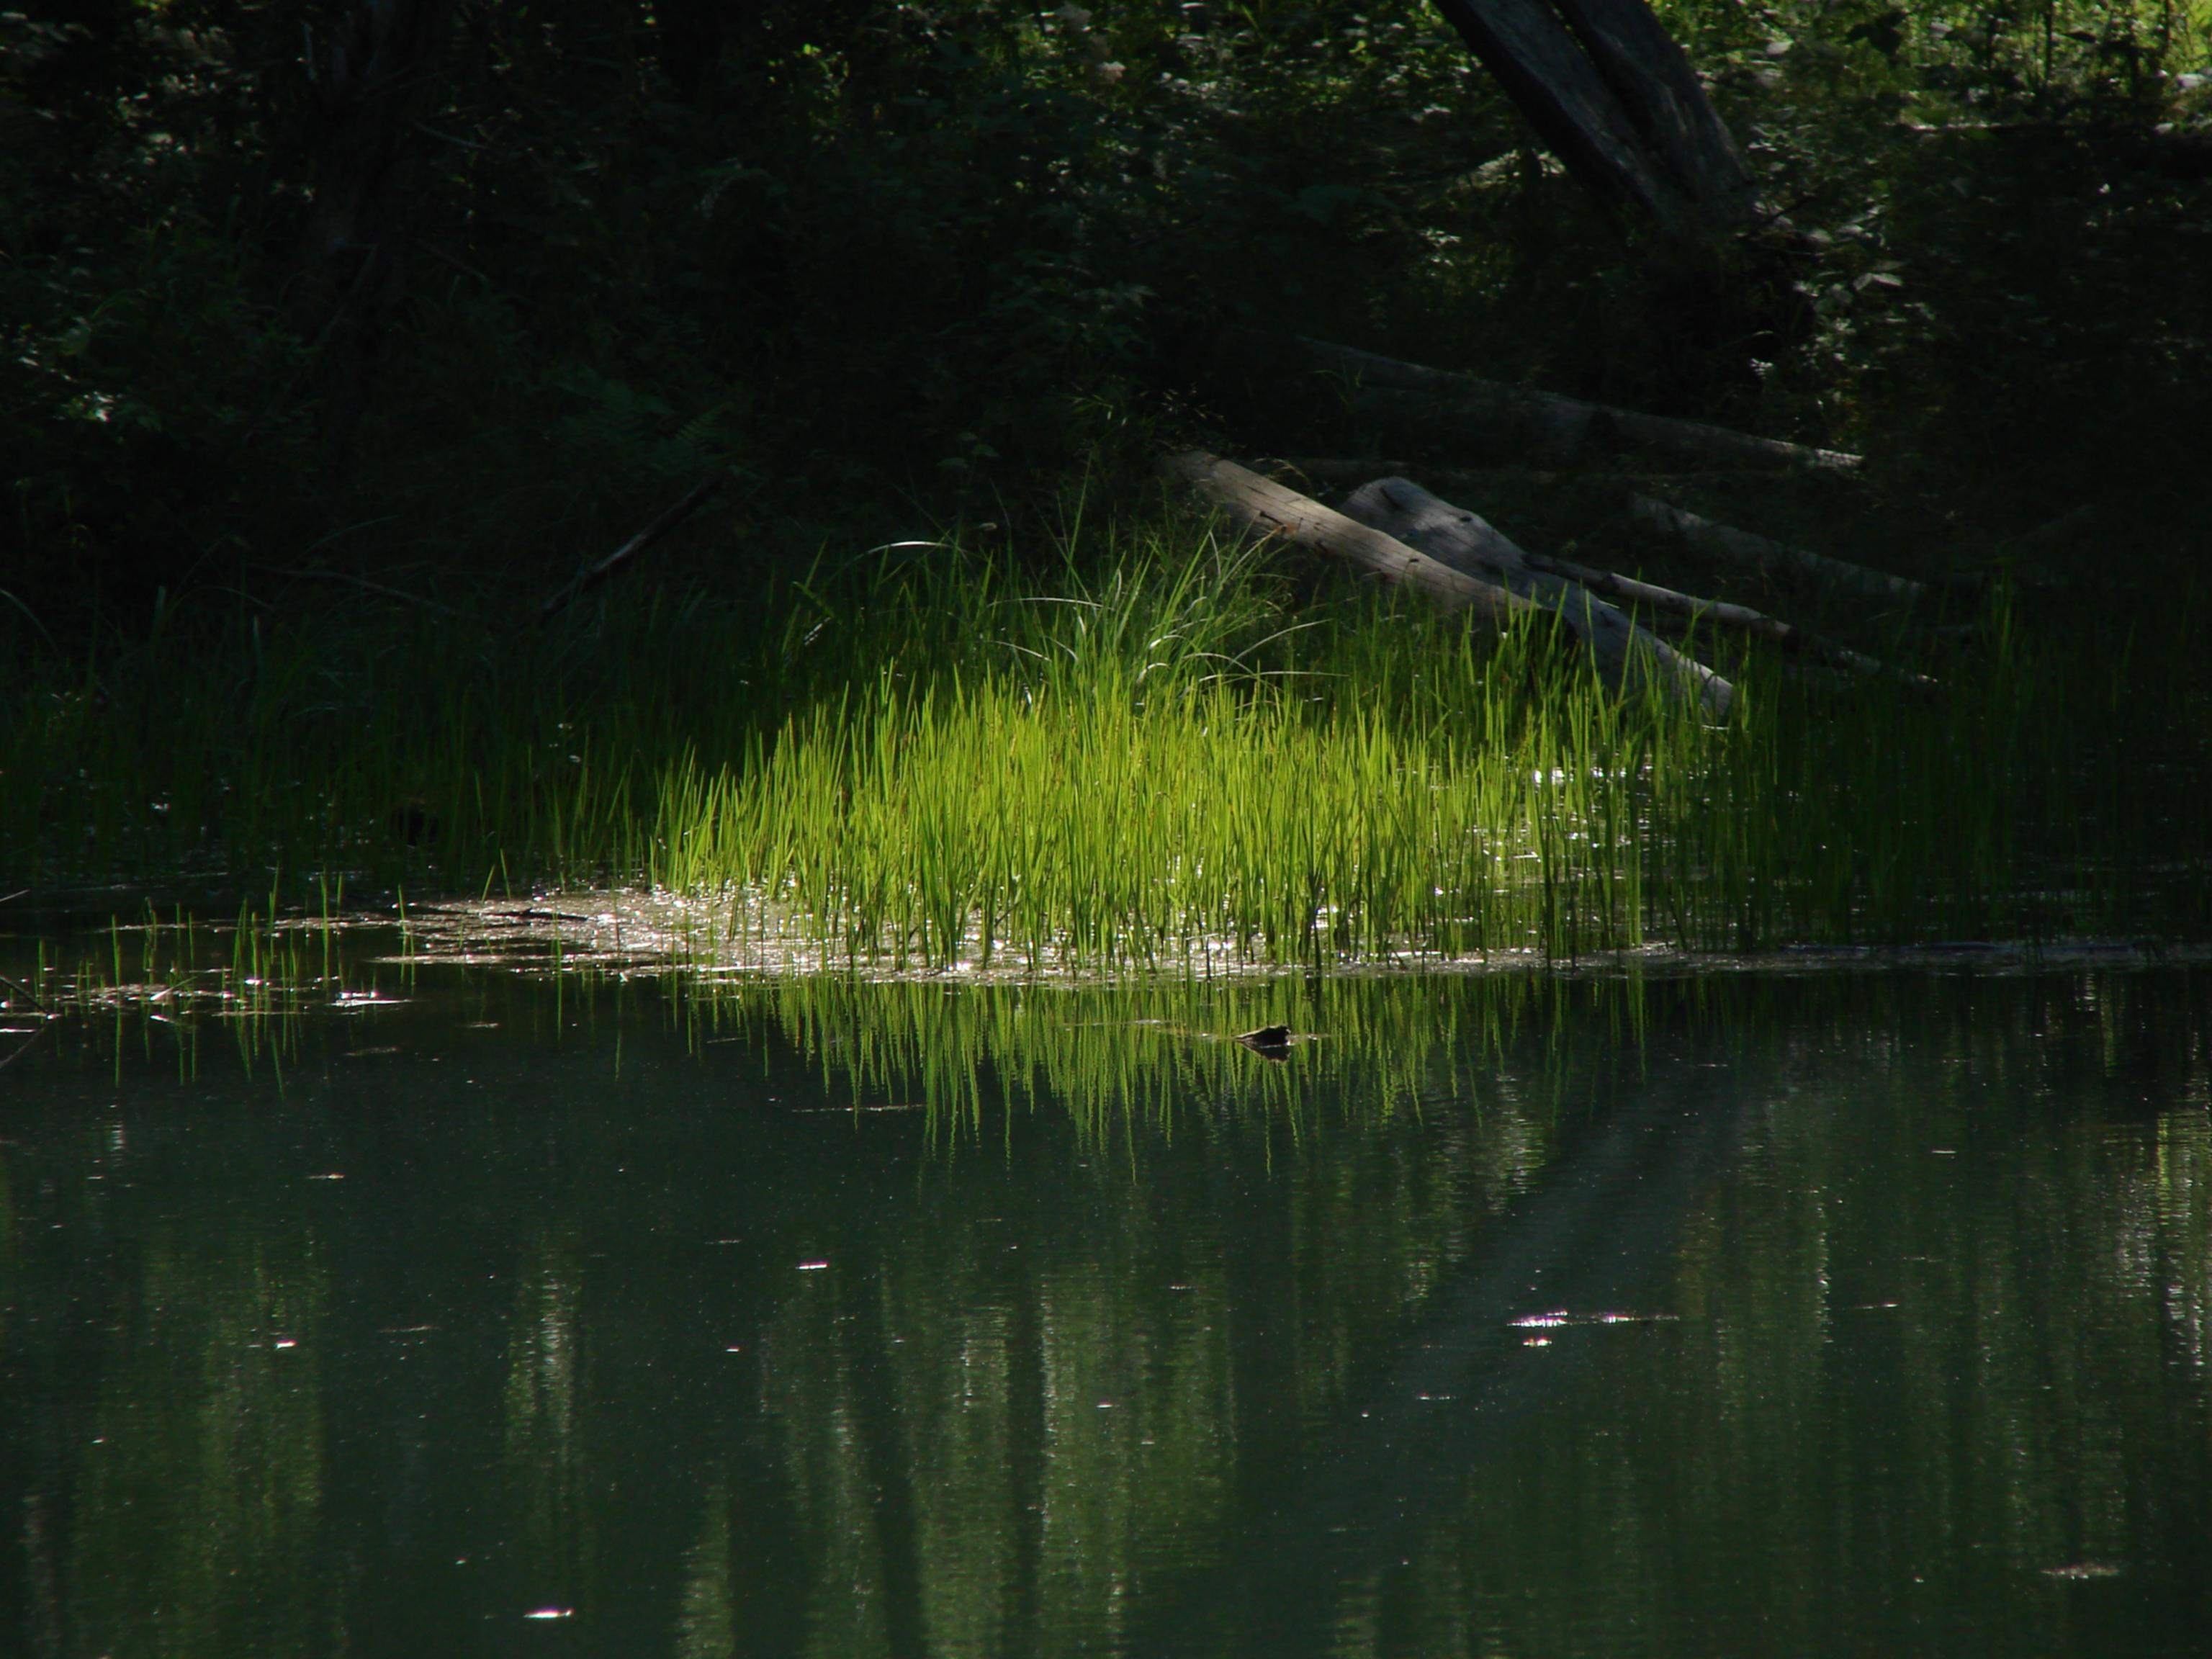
(1596, 1237)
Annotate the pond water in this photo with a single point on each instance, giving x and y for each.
(1856, 1313)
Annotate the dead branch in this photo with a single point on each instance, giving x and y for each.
(1628, 657)
(587, 580)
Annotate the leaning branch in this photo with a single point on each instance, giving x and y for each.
(587, 580)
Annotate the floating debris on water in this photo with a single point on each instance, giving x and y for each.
(1561, 1316)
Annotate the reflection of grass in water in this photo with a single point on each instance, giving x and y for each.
(1149, 759)
(1151, 1050)
(1164, 1053)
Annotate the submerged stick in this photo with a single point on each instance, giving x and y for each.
(589, 579)
(1628, 657)
(1270, 510)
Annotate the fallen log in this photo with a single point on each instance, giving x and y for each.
(1719, 613)
(1268, 509)
(1419, 405)
(1349, 471)
(1628, 657)
(2184, 154)
(1741, 547)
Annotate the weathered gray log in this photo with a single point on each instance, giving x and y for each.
(1718, 613)
(1611, 94)
(1627, 657)
(1419, 405)
(1266, 509)
(2178, 154)
(1741, 547)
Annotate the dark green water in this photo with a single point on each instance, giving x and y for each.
(511, 1321)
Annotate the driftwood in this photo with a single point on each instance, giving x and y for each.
(1397, 532)
(1424, 406)
(1269, 509)
(591, 578)
(1628, 658)
(1611, 94)
(1741, 547)
(1498, 585)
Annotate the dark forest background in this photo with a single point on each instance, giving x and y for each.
(879, 265)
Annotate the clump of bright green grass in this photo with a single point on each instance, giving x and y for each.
(1396, 787)
(1156, 754)
(1149, 777)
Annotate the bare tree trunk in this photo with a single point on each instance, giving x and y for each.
(1651, 76)
(1611, 94)
(1526, 47)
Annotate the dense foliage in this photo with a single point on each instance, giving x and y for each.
(872, 256)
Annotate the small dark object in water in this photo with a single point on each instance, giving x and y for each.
(1268, 1039)
(413, 822)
